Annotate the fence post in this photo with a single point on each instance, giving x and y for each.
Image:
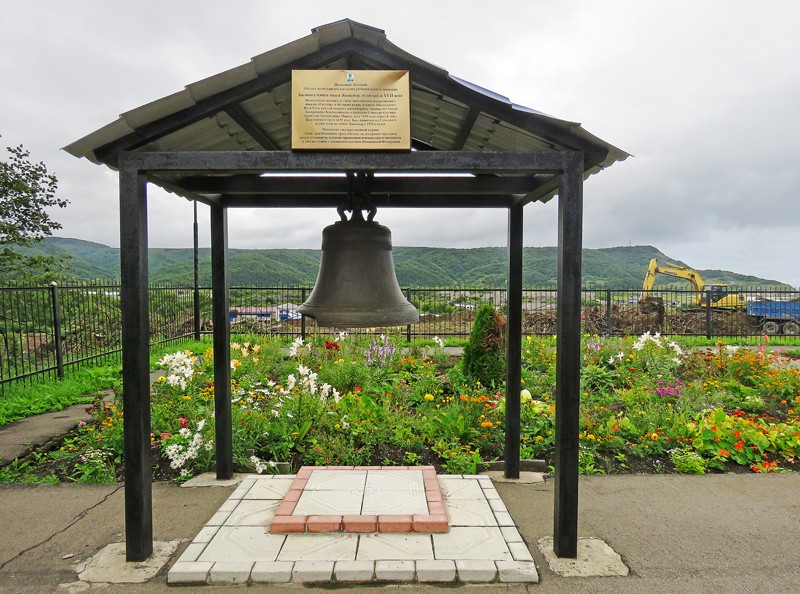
(196, 262)
(608, 312)
(408, 326)
(708, 314)
(57, 329)
(303, 317)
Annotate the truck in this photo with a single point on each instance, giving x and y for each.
(721, 296)
(776, 317)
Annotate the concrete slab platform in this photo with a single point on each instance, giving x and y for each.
(482, 545)
(595, 559)
(109, 566)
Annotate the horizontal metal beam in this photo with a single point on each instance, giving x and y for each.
(392, 201)
(211, 162)
(254, 184)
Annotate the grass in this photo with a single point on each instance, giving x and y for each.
(81, 386)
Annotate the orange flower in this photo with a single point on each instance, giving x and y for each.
(739, 445)
(723, 452)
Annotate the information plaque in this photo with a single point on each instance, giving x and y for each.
(351, 110)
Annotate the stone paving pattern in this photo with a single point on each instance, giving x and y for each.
(482, 544)
(367, 499)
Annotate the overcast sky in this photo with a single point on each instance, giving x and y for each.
(705, 95)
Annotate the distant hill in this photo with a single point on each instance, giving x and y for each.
(616, 268)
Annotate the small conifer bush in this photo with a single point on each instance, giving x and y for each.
(484, 358)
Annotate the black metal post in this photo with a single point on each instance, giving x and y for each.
(57, 330)
(708, 312)
(222, 343)
(302, 317)
(196, 276)
(513, 341)
(408, 327)
(135, 363)
(608, 312)
(568, 357)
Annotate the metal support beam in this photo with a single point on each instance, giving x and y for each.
(466, 129)
(394, 201)
(222, 342)
(476, 162)
(240, 116)
(568, 357)
(455, 185)
(135, 363)
(196, 263)
(513, 341)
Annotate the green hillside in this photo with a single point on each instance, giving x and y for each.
(617, 267)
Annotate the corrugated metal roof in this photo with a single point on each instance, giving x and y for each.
(249, 107)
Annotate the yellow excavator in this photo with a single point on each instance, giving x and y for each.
(719, 295)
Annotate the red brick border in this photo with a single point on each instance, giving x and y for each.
(434, 521)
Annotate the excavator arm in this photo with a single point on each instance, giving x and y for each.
(670, 269)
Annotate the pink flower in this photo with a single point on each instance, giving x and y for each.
(82, 424)
(184, 422)
(165, 435)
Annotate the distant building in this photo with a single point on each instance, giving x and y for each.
(288, 311)
(260, 314)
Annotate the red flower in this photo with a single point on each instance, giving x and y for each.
(739, 445)
(331, 345)
(357, 388)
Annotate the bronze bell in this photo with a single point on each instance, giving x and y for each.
(356, 286)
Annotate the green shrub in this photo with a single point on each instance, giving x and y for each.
(484, 356)
(688, 462)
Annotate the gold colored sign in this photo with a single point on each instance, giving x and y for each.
(351, 109)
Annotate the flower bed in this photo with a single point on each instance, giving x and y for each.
(646, 405)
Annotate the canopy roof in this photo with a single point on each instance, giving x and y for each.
(248, 108)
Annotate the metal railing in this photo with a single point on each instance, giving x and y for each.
(45, 331)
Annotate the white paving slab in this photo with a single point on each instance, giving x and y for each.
(436, 570)
(253, 512)
(336, 480)
(312, 571)
(272, 571)
(470, 512)
(329, 546)
(354, 571)
(329, 503)
(472, 542)
(404, 546)
(242, 543)
(395, 571)
(483, 544)
(395, 480)
(397, 502)
(275, 488)
(461, 488)
(231, 572)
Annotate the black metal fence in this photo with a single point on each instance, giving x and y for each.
(47, 330)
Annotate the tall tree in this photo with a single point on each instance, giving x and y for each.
(27, 190)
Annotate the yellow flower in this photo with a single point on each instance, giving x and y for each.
(428, 397)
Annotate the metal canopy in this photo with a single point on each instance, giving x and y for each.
(224, 142)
